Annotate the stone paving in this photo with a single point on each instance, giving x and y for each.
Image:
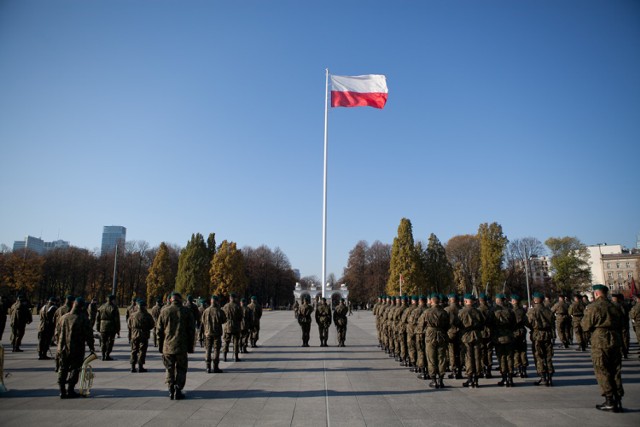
(282, 384)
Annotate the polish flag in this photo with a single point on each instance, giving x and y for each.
(359, 91)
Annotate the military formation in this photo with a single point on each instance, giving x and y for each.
(434, 335)
(324, 315)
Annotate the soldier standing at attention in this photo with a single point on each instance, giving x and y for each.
(246, 325)
(634, 315)
(191, 305)
(486, 343)
(561, 311)
(140, 323)
(303, 314)
(155, 313)
(520, 361)
(421, 352)
(202, 306)
(130, 310)
(176, 336)
(232, 327)
(604, 321)
(20, 317)
(471, 322)
(108, 319)
(436, 324)
(340, 319)
(454, 337)
(323, 319)
(75, 332)
(213, 318)
(576, 311)
(256, 308)
(47, 328)
(504, 321)
(540, 321)
(618, 301)
(92, 312)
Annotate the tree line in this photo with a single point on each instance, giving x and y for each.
(200, 269)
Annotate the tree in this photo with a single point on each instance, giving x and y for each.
(193, 267)
(518, 263)
(378, 266)
(22, 272)
(463, 252)
(492, 245)
(162, 274)
(228, 271)
(569, 264)
(355, 273)
(269, 274)
(437, 269)
(404, 262)
(211, 245)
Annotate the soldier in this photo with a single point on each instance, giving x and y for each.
(604, 321)
(213, 318)
(340, 319)
(520, 361)
(407, 329)
(436, 323)
(61, 311)
(412, 343)
(618, 301)
(504, 321)
(540, 321)
(454, 337)
(130, 310)
(421, 351)
(191, 305)
(303, 314)
(202, 306)
(20, 318)
(563, 321)
(108, 319)
(246, 325)
(634, 315)
(376, 314)
(140, 324)
(256, 308)
(176, 336)
(486, 342)
(4, 309)
(576, 311)
(75, 332)
(155, 313)
(92, 312)
(471, 323)
(47, 328)
(323, 319)
(232, 327)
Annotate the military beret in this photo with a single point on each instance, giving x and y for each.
(452, 295)
(414, 298)
(71, 297)
(499, 296)
(176, 294)
(243, 300)
(435, 295)
(21, 297)
(253, 297)
(600, 288)
(80, 300)
(516, 297)
(577, 295)
(214, 297)
(189, 297)
(111, 297)
(158, 299)
(469, 296)
(142, 302)
(538, 295)
(52, 299)
(482, 296)
(233, 295)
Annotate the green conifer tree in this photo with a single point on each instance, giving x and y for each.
(438, 269)
(228, 270)
(492, 245)
(193, 268)
(161, 277)
(404, 262)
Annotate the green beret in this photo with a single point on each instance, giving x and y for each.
(189, 298)
(233, 295)
(469, 296)
(111, 297)
(52, 299)
(80, 300)
(482, 296)
(158, 299)
(499, 296)
(516, 297)
(253, 297)
(214, 297)
(71, 297)
(176, 294)
(142, 302)
(243, 300)
(452, 295)
(414, 298)
(600, 288)
(435, 295)
(538, 295)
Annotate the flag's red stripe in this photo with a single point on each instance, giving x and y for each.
(357, 99)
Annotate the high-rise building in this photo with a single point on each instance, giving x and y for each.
(112, 235)
(37, 245)
(638, 241)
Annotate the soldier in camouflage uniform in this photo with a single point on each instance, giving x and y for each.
(520, 361)
(155, 313)
(634, 315)
(108, 319)
(323, 319)
(92, 312)
(421, 366)
(20, 315)
(232, 328)
(140, 324)
(504, 321)
(471, 323)
(256, 308)
(436, 322)
(486, 343)
(454, 337)
(540, 321)
(246, 325)
(376, 314)
(576, 311)
(340, 320)
(213, 318)
(47, 328)
(604, 321)
(130, 310)
(75, 332)
(176, 330)
(61, 311)
(618, 301)
(407, 331)
(412, 343)
(563, 321)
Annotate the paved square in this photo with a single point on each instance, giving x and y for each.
(283, 384)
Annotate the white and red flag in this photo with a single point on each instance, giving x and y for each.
(359, 91)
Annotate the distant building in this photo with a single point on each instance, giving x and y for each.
(332, 292)
(614, 266)
(37, 245)
(596, 252)
(112, 235)
(638, 241)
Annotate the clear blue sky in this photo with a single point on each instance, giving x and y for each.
(175, 117)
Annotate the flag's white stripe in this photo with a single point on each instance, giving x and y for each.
(361, 84)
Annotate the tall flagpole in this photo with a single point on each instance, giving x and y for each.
(324, 190)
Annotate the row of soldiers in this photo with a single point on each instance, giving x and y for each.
(324, 315)
(432, 337)
(234, 323)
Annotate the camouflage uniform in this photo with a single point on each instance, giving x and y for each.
(624, 327)
(47, 328)
(108, 319)
(340, 320)
(604, 321)
(256, 308)
(436, 321)
(140, 324)
(471, 322)
(213, 318)
(176, 334)
(20, 315)
(130, 310)
(155, 313)
(421, 346)
(454, 338)
(232, 328)
(245, 326)
(634, 315)
(486, 343)
(520, 360)
(540, 321)
(563, 321)
(576, 311)
(323, 319)
(412, 338)
(75, 332)
(504, 321)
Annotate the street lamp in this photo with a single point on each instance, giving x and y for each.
(526, 273)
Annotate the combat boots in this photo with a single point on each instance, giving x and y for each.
(549, 381)
(487, 373)
(209, 368)
(509, 380)
(475, 382)
(542, 379)
(216, 369)
(468, 383)
(141, 369)
(133, 368)
(71, 393)
(503, 382)
(434, 383)
(609, 405)
(179, 395)
(441, 381)
(63, 392)
(225, 356)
